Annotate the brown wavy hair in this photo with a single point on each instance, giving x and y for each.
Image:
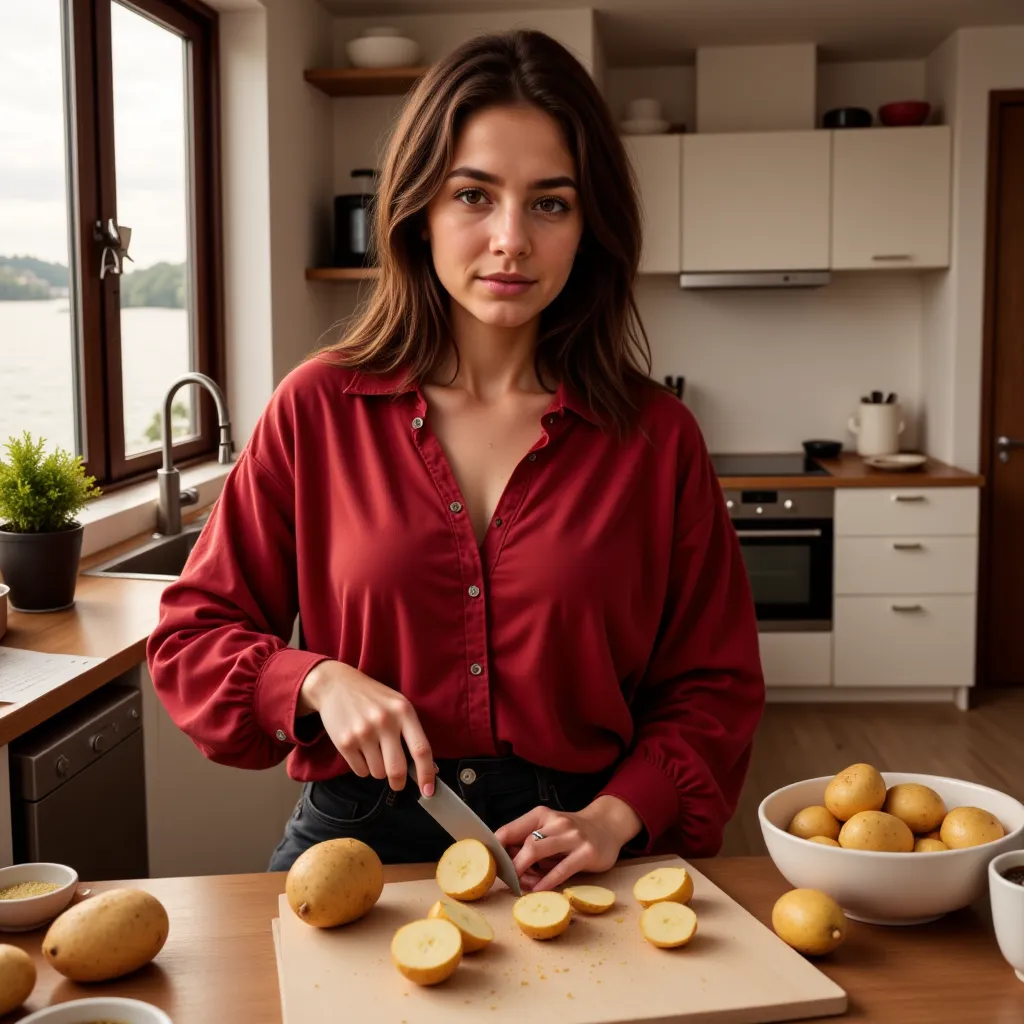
(590, 336)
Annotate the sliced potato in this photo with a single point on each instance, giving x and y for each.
(542, 915)
(664, 885)
(590, 899)
(929, 846)
(823, 840)
(427, 952)
(667, 925)
(476, 932)
(466, 870)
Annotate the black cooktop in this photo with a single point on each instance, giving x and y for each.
(766, 464)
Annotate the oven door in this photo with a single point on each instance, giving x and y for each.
(789, 565)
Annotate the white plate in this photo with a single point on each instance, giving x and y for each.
(645, 126)
(896, 462)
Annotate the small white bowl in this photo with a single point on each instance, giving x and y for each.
(34, 911)
(87, 1011)
(1007, 900)
(382, 52)
(889, 888)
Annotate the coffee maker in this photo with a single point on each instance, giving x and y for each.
(352, 222)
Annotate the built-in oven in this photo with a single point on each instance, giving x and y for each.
(786, 537)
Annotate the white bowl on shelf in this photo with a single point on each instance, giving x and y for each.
(99, 1008)
(382, 47)
(645, 126)
(889, 888)
(23, 915)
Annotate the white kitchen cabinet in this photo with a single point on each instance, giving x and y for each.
(756, 201)
(899, 511)
(657, 161)
(796, 659)
(906, 565)
(891, 198)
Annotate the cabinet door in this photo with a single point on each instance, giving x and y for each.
(890, 198)
(656, 160)
(756, 201)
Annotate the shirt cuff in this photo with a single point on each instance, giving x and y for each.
(651, 793)
(277, 694)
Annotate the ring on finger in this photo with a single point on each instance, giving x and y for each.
(538, 835)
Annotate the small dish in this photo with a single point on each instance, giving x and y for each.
(382, 47)
(645, 126)
(23, 915)
(901, 461)
(99, 1008)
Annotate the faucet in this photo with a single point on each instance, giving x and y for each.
(171, 496)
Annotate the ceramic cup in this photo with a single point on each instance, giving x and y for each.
(645, 109)
(1007, 899)
(4, 591)
(877, 427)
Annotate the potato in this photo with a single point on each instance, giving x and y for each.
(334, 882)
(542, 915)
(929, 846)
(810, 921)
(934, 834)
(854, 789)
(970, 826)
(476, 932)
(17, 977)
(427, 952)
(466, 870)
(823, 840)
(814, 821)
(664, 885)
(589, 899)
(107, 936)
(919, 806)
(668, 925)
(876, 830)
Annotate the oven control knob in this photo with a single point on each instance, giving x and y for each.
(788, 503)
(759, 510)
(730, 503)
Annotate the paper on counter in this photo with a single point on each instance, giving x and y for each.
(26, 675)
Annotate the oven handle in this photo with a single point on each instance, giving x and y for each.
(778, 533)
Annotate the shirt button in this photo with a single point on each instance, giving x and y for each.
(498, 521)
(417, 422)
(468, 776)
(551, 419)
(281, 735)
(474, 591)
(475, 669)
(532, 456)
(455, 506)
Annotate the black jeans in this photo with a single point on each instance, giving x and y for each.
(400, 831)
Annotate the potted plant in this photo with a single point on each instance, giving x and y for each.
(40, 539)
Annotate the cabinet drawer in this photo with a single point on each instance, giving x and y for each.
(931, 643)
(903, 511)
(906, 565)
(796, 659)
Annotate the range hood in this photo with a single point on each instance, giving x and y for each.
(755, 279)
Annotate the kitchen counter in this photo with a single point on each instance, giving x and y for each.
(219, 965)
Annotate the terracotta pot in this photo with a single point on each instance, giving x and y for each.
(41, 568)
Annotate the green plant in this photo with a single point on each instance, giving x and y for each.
(41, 493)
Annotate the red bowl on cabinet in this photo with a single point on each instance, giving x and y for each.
(904, 114)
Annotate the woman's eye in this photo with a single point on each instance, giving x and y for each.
(552, 204)
(470, 196)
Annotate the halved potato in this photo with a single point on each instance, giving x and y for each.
(427, 952)
(542, 915)
(590, 899)
(466, 870)
(476, 932)
(664, 885)
(667, 925)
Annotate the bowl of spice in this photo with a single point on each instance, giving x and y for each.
(99, 1010)
(33, 894)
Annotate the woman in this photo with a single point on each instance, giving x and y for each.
(505, 544)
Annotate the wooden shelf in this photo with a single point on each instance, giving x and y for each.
(341, 273)
(364, 81)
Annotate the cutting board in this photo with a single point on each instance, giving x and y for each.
(600, 971)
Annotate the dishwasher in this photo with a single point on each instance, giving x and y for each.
(78, 788)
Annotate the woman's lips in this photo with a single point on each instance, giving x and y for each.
(506, 288)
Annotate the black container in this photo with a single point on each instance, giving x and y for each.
(352, 220)
(823, 449)
(847, 117)
(41, 568)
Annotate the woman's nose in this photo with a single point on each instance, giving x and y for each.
(510, 237)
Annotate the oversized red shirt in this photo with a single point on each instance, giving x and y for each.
(606, 618)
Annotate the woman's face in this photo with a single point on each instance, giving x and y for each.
(506, 224)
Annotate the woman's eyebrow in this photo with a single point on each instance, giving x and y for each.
(561, 181)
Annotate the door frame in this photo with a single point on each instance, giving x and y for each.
(998, 100)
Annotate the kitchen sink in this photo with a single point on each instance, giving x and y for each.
(162, 558)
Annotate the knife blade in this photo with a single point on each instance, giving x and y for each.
(460, 821)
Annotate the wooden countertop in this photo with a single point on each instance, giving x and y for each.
(218, 964)
(849, 470)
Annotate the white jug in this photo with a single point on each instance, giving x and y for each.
(877, 427)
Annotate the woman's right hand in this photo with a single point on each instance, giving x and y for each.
(367, 722)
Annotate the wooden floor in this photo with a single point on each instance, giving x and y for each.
(796, 741)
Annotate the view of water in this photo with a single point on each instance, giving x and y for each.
(37, 370)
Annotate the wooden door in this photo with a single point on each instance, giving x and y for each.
(1001, 617)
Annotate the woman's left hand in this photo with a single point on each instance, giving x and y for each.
(587, 840)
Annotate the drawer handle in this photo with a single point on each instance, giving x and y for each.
(908, 607)
(892, 257)
(908, 547)
(909, 497)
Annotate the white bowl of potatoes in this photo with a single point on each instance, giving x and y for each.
(892, 848)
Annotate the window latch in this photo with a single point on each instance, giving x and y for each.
(115, 239)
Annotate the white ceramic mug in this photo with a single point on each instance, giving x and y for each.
(4, 591)
(1007, 899)
(877, 427)
(645, 109)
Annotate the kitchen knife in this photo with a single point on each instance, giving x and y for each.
(459, 820)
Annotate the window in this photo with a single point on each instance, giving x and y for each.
(108, 122)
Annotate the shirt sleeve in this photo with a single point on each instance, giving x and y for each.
(700, 701)
(219, 656)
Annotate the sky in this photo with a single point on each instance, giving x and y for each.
(149, 134)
